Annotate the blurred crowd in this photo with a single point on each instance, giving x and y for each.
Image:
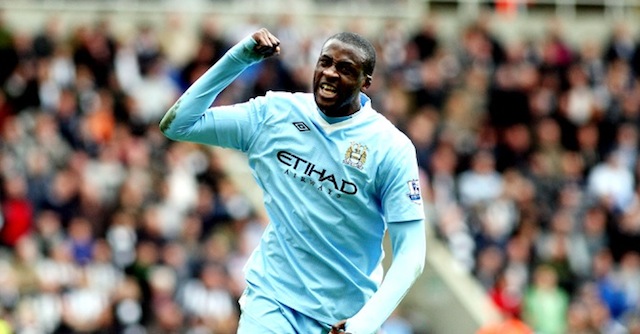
(528, 149)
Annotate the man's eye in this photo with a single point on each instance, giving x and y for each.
(324, 62)
(346, 70)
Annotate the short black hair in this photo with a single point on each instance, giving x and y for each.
(361, 43)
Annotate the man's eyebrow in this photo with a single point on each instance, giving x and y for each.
(346, 60)
(349, 62)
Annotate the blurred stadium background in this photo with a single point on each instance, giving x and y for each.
(525, 114)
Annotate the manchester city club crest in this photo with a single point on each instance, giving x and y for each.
(356, 155)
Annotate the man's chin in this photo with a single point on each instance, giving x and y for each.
(323, 105)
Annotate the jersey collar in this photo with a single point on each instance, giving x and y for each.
(330, 124)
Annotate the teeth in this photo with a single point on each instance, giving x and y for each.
(327, 87)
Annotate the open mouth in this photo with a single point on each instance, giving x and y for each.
(327, 91)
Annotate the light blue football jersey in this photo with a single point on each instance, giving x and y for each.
(330, 187)
(329, 190)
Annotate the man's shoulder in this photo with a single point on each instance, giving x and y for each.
(282, 105)
(289, 96)
(388, 132)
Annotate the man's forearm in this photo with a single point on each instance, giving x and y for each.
(409, 248)
(186, 111)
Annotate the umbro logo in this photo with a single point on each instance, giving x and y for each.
(301, 126)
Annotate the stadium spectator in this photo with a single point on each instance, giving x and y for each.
(545, 303)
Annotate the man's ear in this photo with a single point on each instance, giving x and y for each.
(367, 82)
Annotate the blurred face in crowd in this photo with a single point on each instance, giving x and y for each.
(339, 78)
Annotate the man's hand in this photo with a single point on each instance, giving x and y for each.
(339, 327)
(268, 45)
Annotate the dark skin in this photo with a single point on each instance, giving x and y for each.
(268, 45)
(338, 79)
(338, 328)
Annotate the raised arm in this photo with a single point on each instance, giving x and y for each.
(184, 115)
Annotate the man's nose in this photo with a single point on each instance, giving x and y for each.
(330, 71)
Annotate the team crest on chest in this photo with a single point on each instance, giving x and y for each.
(356, 155)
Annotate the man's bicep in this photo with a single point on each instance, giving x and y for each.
(231, 126)
(401, 195)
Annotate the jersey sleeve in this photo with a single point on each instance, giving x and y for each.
(234, 126)
(400, 193)
(191, 118)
